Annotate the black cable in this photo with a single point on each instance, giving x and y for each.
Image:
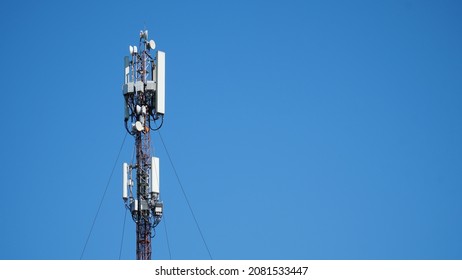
(128, 131)
(123, 232)
(184, 194)
(166, 234)
(157, 128)
(153, 233)
(102, 198)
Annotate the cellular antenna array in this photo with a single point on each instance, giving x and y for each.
(144, 96)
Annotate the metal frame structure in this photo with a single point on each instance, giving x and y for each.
(144, 96)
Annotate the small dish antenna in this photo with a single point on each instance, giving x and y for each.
(139, 126)
(151, 45)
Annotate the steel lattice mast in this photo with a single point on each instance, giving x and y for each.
(144, 95)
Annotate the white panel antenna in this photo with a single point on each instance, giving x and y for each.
(125, 182)
(127, 69)
(160, 79)
(155, 172)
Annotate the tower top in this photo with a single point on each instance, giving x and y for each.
(144, 87)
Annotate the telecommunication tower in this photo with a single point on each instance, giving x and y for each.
(144, 96)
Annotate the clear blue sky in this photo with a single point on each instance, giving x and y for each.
(299, 129)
